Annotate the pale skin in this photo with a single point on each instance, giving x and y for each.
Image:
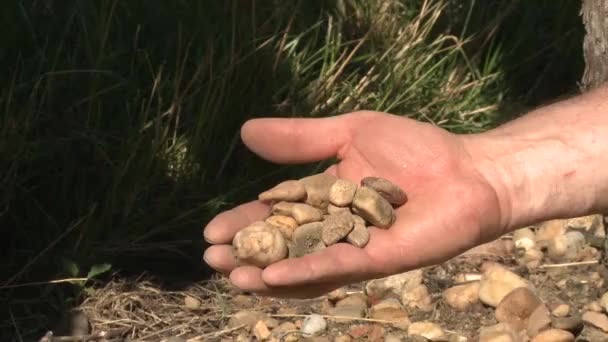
(463, 190)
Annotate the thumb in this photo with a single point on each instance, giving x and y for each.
(301, 140)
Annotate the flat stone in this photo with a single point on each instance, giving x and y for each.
(372, 207)
(417, 298)
(336, 228)
(354, 306)
(391, 310)
(554, 335)
(596, 319)
(285, 224)
(387, 189)
(359, 236)
(516, 307)
(307, 239)
(497, 282)
(561, 310)
(461, 297)
(304, 213)
(291, 191)
(282, 208)
(317, 189)
(429, 330)
(394, 285)
(539, 320)
(342, 192)
(332, 209)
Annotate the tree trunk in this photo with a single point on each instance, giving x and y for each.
(595, 49)
(595, 45)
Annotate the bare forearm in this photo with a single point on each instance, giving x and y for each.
(551, 163)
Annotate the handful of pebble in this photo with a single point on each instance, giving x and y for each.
(312, 213)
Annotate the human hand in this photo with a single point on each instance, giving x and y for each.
(451, 206)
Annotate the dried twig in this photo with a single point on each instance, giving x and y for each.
(568, 264)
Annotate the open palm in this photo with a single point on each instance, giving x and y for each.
(451, 207)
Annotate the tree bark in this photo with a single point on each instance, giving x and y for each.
(595, 45)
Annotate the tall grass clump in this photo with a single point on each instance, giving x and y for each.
(120, 120)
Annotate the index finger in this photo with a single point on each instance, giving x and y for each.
(222, 228)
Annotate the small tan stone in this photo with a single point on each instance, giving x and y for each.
(532, 255)
(343, 338)
(241, 301)
(192, 303)
(429, 330)
(260, 244)
(394, 285)
(498, 247)
(566, 247)
(561, 310)
(372, 207)
(554, 335)
(260, 331)
(593, 305)
(336, 228)
(307, 239)
(461, 297)
(596, 319)
(304, 213)
(285, 224)
(317, 189)
(387, 189)
(249, 318)
(391, 310)
(551, 229)
(573, 324)
(418, 298)
(342, 192)
(359, 236)
(539, 320)
(354, 306)
(500, 332)
(337, 294)
(516, 307)
(333, 210)
(287, 332)
(524, 238)
(290, 191)
(282, 208)
(497, 282)
(359, 220)
(604, 301)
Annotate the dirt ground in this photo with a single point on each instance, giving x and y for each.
(146, 310)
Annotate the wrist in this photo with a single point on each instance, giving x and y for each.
(551, 163)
